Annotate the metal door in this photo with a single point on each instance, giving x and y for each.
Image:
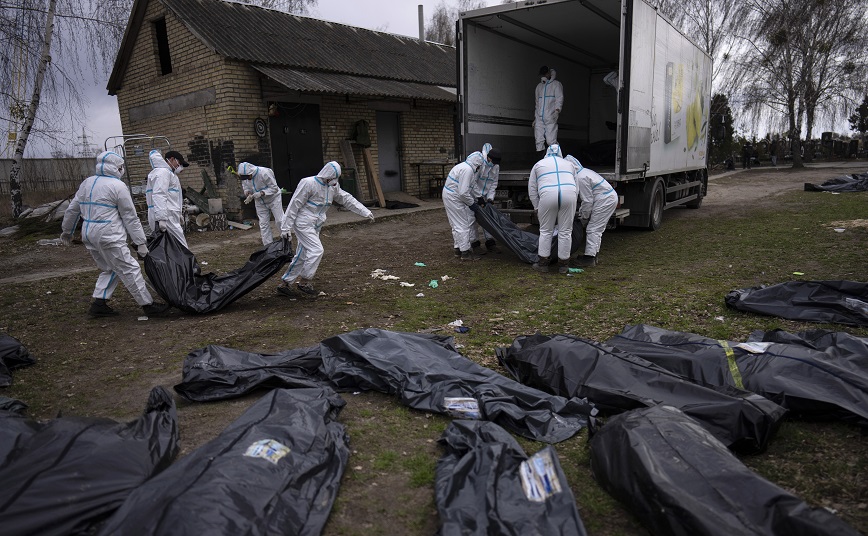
(296, 143)
(389, 151)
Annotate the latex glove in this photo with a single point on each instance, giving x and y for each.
(286, 235)
(371, 217)
(248, 199)
(161, 225)
(66, 238)
(142, 251)
(258, 194)
(584, 221)
(480, 201)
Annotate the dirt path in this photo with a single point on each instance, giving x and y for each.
(726, 192)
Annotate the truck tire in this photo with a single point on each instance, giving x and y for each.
(703, 191)
(655, 206)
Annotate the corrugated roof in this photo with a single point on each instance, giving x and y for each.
(345, 84)
(268, 37)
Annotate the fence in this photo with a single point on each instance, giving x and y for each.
(44, 179)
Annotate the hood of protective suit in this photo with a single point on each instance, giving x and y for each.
(485, 150)
(554, 149)
(157, 160)
(247, 169)
(109, 164)
(575, 162)
(476, 160)
(330, 173)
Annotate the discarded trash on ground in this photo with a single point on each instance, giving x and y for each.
(380, 273)
(433, 283)
(420, 264)
(405, 284)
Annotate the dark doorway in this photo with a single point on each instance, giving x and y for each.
(389, 151)
(296, 143)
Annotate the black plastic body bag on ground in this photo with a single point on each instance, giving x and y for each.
(67, 475)
(836, 302)
(857, 182)
(616, 381)
(13, 354)
(523, 243)
(486, 484)
(679, 480)
(427, 373)
(275, 470)
(171, 269)
(217, 373)
(815, 374)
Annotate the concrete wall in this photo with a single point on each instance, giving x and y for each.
(44, 179)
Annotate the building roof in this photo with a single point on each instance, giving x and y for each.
(304, 48)
(344, 84)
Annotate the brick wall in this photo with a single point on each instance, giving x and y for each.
(426, 134)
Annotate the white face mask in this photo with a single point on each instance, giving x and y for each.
(179, 169)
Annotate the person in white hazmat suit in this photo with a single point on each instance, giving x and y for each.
(549, 95)
(260, 187)
(459, 193)
(486, 187)
(305, 216)
(598, 202)
(552, 190)
(164, 193)
(105, 206)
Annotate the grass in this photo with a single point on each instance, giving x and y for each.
(675, 278)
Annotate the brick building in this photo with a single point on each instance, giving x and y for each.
(224, 82)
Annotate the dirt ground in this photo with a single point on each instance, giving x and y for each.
(116, 361)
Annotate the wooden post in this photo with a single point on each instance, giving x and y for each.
(373, 178)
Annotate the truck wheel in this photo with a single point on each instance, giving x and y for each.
(703, 191)
(655, 209)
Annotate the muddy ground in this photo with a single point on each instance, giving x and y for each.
(105, 367)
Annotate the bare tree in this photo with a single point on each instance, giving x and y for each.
(836, 66)
(36, 91)
(801, 57)
(771, 66)
(30, 114)
(440, 28)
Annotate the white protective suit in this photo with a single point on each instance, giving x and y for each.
(486, 187)
(459, 193)
(106, 208)
(165, 197)
(598, 202)
(306, 214)
(549, 96)
(268, 203)
(552, 190)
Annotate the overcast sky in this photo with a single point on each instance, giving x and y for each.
(393, 16)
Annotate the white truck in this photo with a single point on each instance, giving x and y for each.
(636, 99)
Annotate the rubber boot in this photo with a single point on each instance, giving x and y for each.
(563, 266)
(457, 253)
(155, 308)
(99, 307)
(542, 265)
(477, 248)
(586, 261)
(305, 286)
(469, 255)
(491, 246)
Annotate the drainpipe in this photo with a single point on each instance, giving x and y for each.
(421, 23)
